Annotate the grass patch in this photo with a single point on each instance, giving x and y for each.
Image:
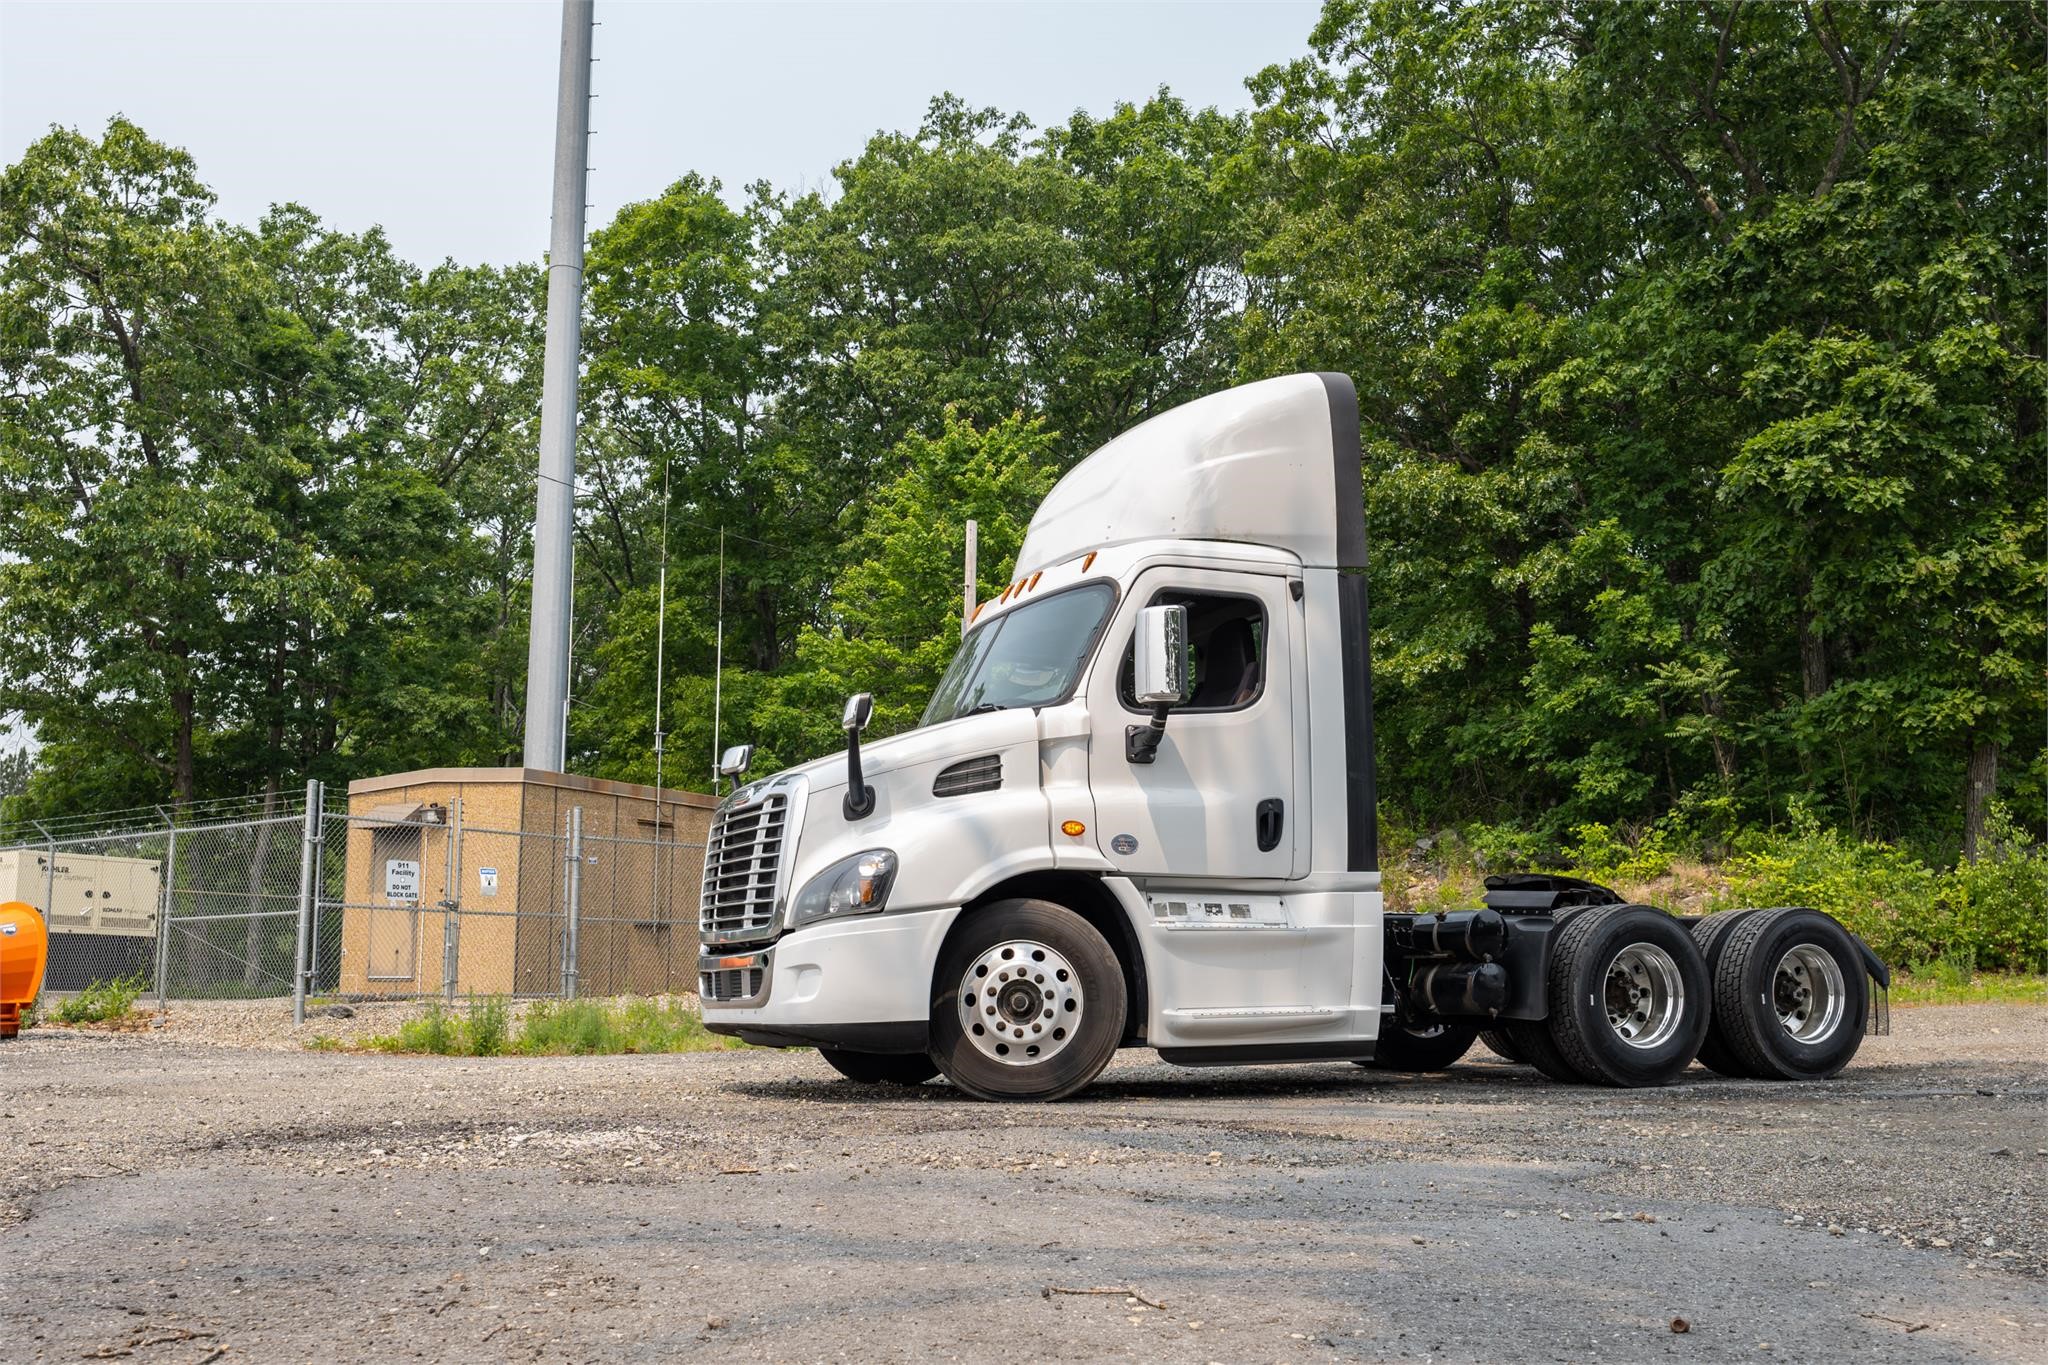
(100, 1002)
(1935, 984)
(567, 1028)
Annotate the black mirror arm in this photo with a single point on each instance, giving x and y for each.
(860, 797)
(1141, 742)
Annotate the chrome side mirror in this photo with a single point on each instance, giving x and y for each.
(860, 709)
(736, 760)
(1163, 669)
(1162, 676)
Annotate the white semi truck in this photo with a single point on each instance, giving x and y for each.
(1139, 812)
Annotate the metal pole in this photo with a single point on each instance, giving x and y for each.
(49, 872)
(308, 839)
(451, 905)
(718, 668)
(575, 902)
(319, 881)
(660, 657)
(163, 921)
(547, 658)
(967, 598)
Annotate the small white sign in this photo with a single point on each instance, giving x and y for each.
(487, 881)
(401, 881)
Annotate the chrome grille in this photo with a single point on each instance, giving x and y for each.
(730, 984)
(742, 865)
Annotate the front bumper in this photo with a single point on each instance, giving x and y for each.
(863, 984)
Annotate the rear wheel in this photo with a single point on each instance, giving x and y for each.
(1028, 1003)
(878, 1068)
(1628, 996)
(1501, 1045)
(1711, 934)
(1531, 1037)
(1431, 1048)
(1791, 994)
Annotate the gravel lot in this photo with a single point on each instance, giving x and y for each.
(165, 1198)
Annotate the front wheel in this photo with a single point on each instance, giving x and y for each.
(880, 1068)
(1433, 1048)
(1028, 1003)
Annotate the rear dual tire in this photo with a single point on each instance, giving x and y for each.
(1628, 997)
(1791, 991)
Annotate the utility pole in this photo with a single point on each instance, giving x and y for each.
(967, 597)
(547, 655)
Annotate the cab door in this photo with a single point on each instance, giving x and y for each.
(1218, 799)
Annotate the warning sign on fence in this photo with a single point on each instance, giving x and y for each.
(401, 881)
(487, 881)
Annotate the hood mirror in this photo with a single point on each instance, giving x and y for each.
(860, 797)
(736, 761)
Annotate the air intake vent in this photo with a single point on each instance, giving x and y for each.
(982, 774)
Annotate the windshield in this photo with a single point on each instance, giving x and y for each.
(1026, 657)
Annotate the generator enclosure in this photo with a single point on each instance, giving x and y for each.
(101, 911)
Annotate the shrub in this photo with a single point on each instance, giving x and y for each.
(437, 1031)
(1999, 904)
(1881, 892)
(100, 1001)
(1598, 854)
(489, 1027)
(597, 1027)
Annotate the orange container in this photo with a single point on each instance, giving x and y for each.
(24, 951)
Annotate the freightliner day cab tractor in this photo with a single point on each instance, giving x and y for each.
(1139, 811)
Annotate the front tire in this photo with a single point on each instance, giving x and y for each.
(1434, 1048)
(878, 1068)
(1028, 1003)
(1629, 996)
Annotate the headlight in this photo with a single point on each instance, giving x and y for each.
(852, 886)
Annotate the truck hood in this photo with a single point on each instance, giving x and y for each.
(930, 746)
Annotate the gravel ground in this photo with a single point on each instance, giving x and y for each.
(164, 1199)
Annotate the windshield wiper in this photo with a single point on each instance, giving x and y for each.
(980, 707)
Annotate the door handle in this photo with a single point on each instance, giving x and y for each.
(1270, 820)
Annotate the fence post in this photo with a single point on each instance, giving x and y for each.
(320, 880)
(49, 873)
(575, 902)
(308, 839)
(451, 904)
(163, 920)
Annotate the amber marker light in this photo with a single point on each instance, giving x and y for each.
(736, 961)
(1086, 562)
(1073, 828)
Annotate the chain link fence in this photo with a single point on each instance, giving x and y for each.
(301, 901)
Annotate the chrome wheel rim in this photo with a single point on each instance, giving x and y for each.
(1020, 1003)
(1808, 993)
(1645, 996)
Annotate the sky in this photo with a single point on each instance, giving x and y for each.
(436, 120)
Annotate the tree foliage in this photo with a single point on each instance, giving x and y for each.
(1699, 348)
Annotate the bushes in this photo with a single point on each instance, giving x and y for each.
(1990, 914)
(554, 1029)
(100, 1002)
